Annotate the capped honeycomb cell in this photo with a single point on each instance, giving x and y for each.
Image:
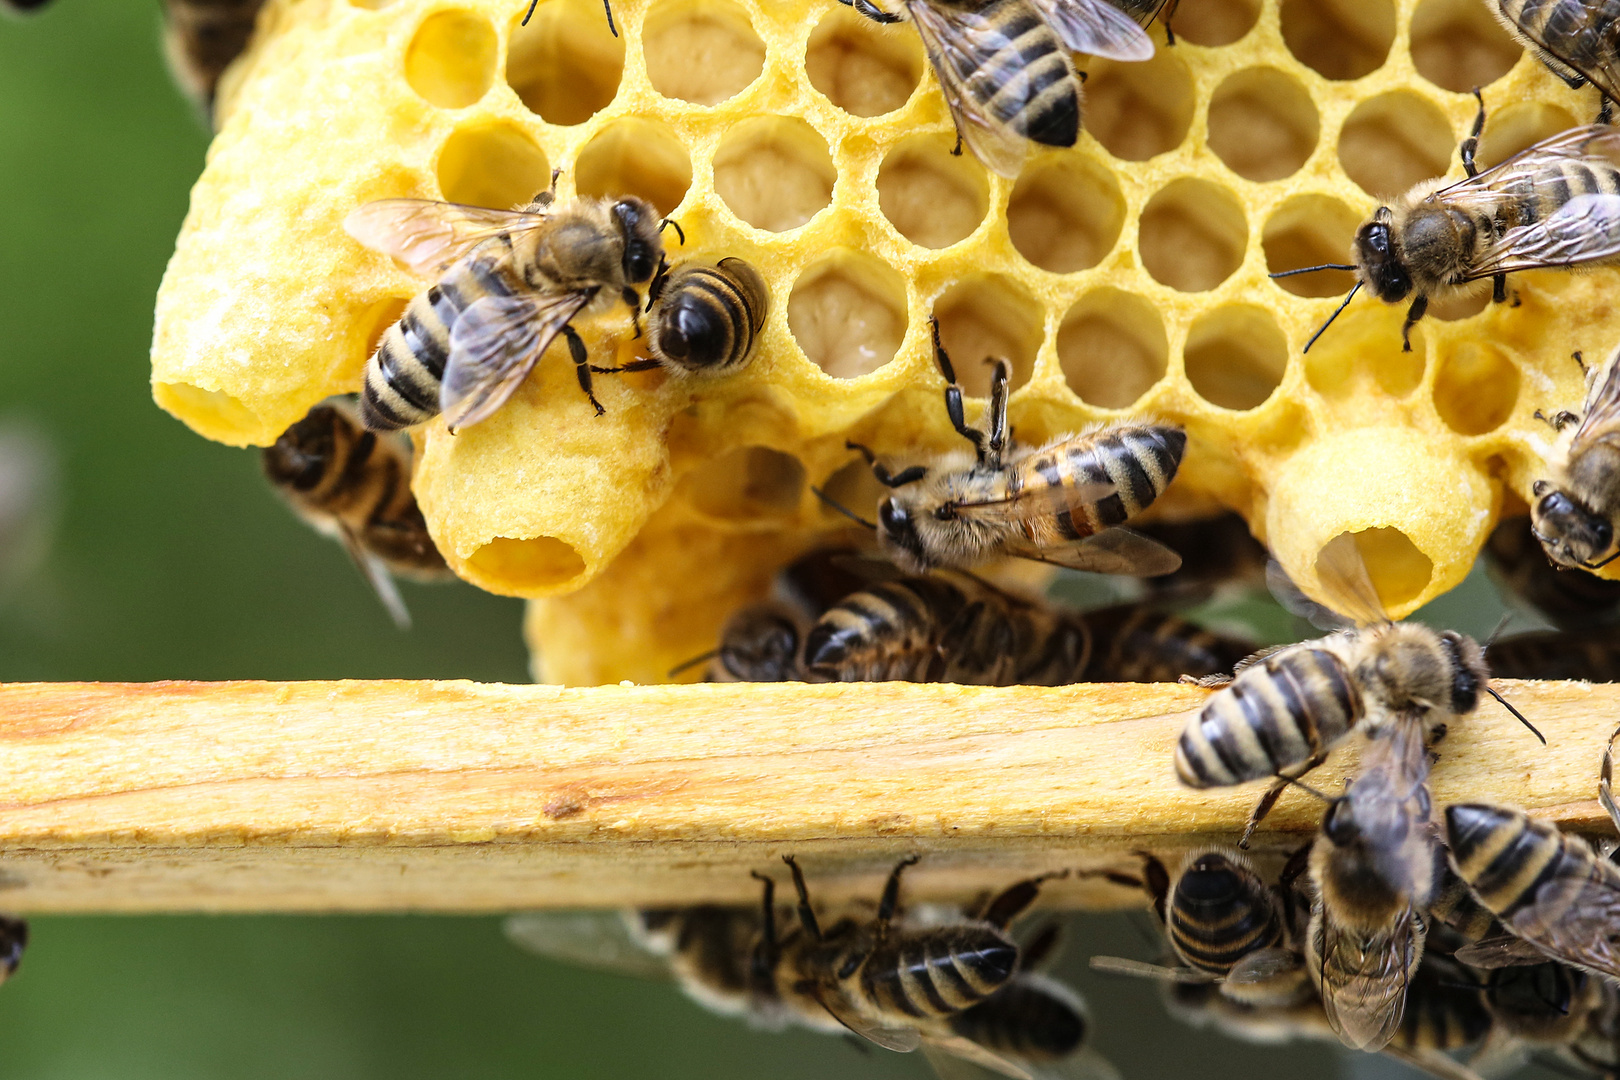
(1123, 276)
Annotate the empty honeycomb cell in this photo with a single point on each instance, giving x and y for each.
(774, 172)
(1139, 110)
(1517, 127)
(984, 317)
(1393, 141)
(748, 483)
(565, 65)
(934, 198)
(1463, 306)
(1112, 347)
(538, 563)
(451, 59)
(1475, 388)
(1365, 344)
(635, 157)
(851, 486)
(848, 313)
(702, 51)
(1458, 44)
(1192, 235)
(1399, 571)
(1339, 39)
(861, 67)
(1065, 214)
(1309, 230)
(1215, 22)
(1263, 124)
(491, 165)
(1235, 356)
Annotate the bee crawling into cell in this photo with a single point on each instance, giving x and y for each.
(1286, 709)
(1062, 503)
(1005, 70)
(1574, 38)
(509, 282)
(1554, 205)
(355, 485)
(1574, 512)
(702, 318)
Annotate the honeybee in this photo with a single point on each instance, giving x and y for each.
(1060, 503)
(1136, 643)
(509, 282)
(974, 997)
(706, 318)
(1372, 867)
(1595, 1048)
(1004, 66)
(1217, 554)
(349, 484)
(1592, 655)
(1573, 515)
(1226, 926)
(201, 38)
(1556, 204)
(1575, 38)
(1518, 563)
(1285, 711)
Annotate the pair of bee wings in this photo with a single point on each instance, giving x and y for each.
(962, 46)
(1583, 229)
(378, 576)
(1352, 599)
(1366, 1010)
(1602, 409)
(496, 340)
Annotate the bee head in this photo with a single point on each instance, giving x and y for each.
(898, 536)
(1468, 671)
(643, 247)
(760, 645)
(692, 331)
(1570, 533)
(1380, 263)
(301, 456)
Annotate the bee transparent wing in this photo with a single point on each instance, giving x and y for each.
(1366, 1011)
(901, 1040)
(956, 1058)
(1502, 950)
(1585, 932)
(429, 236)
(1263, 965)
(1344, 577)
(600, 940)
(377, 576)
(1112, 551)
(1096, 27)
(956, 43)
(1528, 168)
(1584, 230)
(1038, 499)
(494, 345)
(1119, 965)
(1602, 409)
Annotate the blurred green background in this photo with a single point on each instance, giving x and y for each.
(170, 558)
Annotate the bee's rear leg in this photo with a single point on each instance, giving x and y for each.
(1470, 145)
(1014, 900)
(1414, 315)
(1269, 799)
(582, 365)
(632, 300)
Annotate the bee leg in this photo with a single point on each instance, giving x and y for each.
(871, 11)
(582, 365)
(891, 895)
(1414, 315)
(1269, 799)
(999, 379)
(1040, 946)
(1499, 289)
(1580, 360)
(956, 151)
(807, 914)
(767, 951)
(900, 479)
(1470, 145)
(634, 365)
(607, 6)
(632, 300)
(953, 393)
(1014, 900)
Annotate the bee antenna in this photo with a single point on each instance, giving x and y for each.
(529, 14)
(670, 223)
(698, 659)
(1506, 705)
(1348, 297)
(1501, 625)
(1600, 564)
(1304, 787)
(842, 509)
(1312, 269)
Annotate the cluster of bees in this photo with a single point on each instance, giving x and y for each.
(1400, 929)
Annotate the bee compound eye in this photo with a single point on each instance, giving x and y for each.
(893, 517)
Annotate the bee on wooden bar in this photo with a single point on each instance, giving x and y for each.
(1519, 565)
(1592, 655)
(1226, 925)
(1004, 66)
(1136, 643)
(1556, 204)
(1372, 867)
(350, 484)
(1574, 38)
(201, 38)
(1574, 512)
(509, 282)
(1062, 503)
(1283, 713)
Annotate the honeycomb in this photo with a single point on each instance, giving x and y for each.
(1125, 276)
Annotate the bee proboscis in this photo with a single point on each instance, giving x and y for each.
(355, 485)
(509, 283)
(1004, 65)
(1061, 503)
(1554, 205)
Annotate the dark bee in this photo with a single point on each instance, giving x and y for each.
(1574, 512)
(1592, 655)
(1556, 204)
(706, 318)
(350, 484)
(509, 282)
(1518, 563)
(1575, 38)
(1004, 65)
(1136, 643)
(201, 38)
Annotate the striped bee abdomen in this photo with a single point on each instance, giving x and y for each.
(889, 631)
(1053, 649)
(1274, 715)
(1139, 644)
(1219, 913)
(937, 972)
(1506, 857)
(1445, 1007)
(1137, 460)
(1031, 1019)
(1575, 38)
(1028, 83)
(706, 318)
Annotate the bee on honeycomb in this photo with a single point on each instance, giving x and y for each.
(1124, 277)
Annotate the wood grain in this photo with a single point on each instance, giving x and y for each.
(455, 796)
